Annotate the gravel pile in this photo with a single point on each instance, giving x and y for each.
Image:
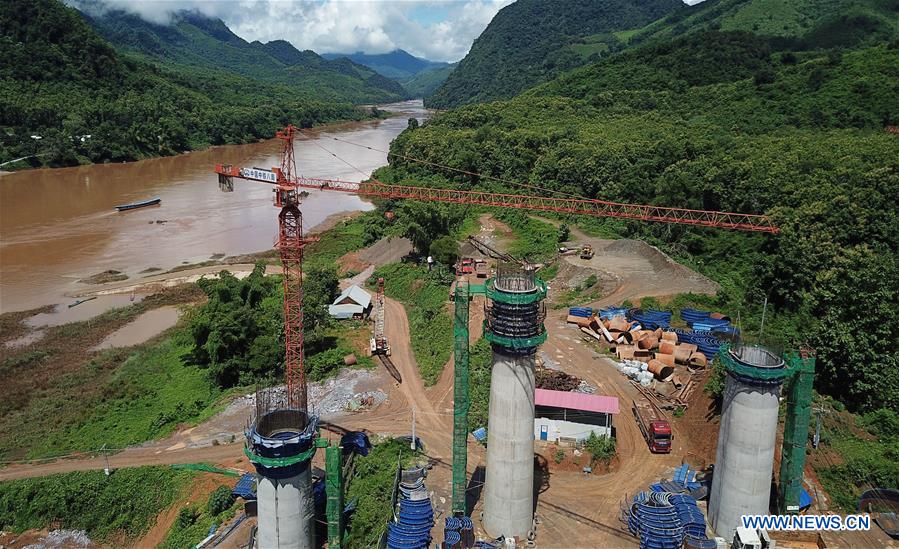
(329, 397)
(62, 539)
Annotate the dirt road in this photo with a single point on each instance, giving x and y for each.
(132, 457)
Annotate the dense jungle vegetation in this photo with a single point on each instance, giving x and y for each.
(531, 42)
(70, 97)
(112, 509)
(238, 334)
(725, 121)
(525, 44)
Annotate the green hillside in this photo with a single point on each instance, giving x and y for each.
(724, 121)
(83, 101)
(809, 23)
(196, 41)
(530, 42)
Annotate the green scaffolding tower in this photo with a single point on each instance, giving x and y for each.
(334, 492)
(799, 410)
(460, 397)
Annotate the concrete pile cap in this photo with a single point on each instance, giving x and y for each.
(754, 364)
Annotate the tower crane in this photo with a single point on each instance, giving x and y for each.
(291, 241)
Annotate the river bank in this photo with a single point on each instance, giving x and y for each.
(59, 226)
(368, 113)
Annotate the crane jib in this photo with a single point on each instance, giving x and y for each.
(580, 206)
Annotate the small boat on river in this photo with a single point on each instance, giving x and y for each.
(141, 204)
(80, 301)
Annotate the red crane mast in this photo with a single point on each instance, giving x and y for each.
(291, 240)
(290, 247)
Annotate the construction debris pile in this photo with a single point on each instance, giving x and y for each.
(556, 380)
(643, 335)
(667, 516)
(649, 350)
(411, 528)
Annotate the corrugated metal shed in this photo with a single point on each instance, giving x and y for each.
(576, 401)
(343, 312)
(357, 295)
(354, 301)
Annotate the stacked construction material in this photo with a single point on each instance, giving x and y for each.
(637, 371)
(581, 311)
(653, 518)
(644, 335)
(609, 313)
(689, 514)
(666, 516)
(705, 342)
(707, 321)
(458, 533)
(650, 319)
(580, 315)
(412, 528)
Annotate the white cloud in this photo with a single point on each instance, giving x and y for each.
(442, 30)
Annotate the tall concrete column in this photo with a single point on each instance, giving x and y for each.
(285, 509)
(514, 327)
(744, 463)
(280, 444)
(509, 484)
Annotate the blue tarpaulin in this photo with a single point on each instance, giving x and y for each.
(246, 487)
(356, 442)
(805, 500)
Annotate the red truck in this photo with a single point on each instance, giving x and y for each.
(655, 428)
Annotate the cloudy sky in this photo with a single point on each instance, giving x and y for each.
(442, 30)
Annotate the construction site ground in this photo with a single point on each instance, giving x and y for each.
(573, 510)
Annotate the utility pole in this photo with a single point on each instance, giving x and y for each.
(412, 444)
(819, 410)
(762, 327)
(106, 458)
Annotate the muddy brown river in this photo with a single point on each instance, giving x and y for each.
(60, 225)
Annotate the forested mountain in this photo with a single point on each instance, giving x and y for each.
(398, 64)
(806, 23)
(426, 82)
(69, 96)
(195, 41)
(533, 41)
(726, 121)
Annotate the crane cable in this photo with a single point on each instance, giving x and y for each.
(459, 170)
(363, 174)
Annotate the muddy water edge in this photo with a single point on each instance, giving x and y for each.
(58, 226)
